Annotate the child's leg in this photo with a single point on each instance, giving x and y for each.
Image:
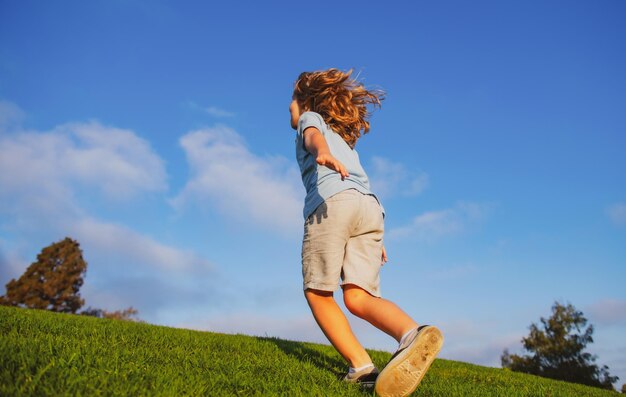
(379, 312)
(335, 326)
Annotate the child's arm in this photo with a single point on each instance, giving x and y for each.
(316, 144)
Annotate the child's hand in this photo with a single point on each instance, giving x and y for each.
(316, 144)
(383, 257)
(327, 160)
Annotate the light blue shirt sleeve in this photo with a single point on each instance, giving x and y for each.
(310, 119)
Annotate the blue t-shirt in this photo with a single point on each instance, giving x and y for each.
(319, 181)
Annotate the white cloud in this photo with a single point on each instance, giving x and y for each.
(243, 185)
(153, 293)
(617, 214)
(107, 238)
(211, 110)
(125, 268)
(475, 343)
(433, 225)
(53, 165)
(40, 174)
(388, 178)
(217, 112)
(48, 181)
(484, 351)
(608, 312)
(117, 160)
(10, 115)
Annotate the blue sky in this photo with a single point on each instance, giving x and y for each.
(156, 134)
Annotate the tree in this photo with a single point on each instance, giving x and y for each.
(52, 282)
(557, 350)
(128, 314)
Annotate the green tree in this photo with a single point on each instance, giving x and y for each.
(52, 282)
(556, 349)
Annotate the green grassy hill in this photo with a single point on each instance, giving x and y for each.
(48, 354)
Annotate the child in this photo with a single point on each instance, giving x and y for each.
(343, 233)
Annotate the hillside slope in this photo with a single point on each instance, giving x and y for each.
(49, 354)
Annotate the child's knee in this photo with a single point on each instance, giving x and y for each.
(354, 299)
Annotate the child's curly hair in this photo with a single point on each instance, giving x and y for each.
(339, 99)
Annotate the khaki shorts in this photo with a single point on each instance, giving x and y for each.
(343, 238)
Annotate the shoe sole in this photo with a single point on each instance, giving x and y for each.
(405, 372)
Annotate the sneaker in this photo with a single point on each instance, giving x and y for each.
(366, 378)
(409, 364)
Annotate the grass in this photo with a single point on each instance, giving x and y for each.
(50, 354)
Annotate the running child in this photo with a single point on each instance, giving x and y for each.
(343, 233)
